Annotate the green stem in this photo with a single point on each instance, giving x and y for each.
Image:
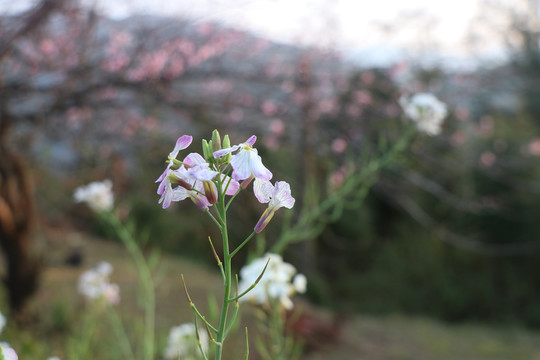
(220, 336)
(145, 276)
(120, 330)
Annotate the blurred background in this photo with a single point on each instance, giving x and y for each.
(438, 258)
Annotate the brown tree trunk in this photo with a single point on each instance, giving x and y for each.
(16, 219)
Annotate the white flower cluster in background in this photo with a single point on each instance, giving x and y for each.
(280, 281)
(94, 284)
(426, 111)
(7, 351)
(182, 343)
(98, 195)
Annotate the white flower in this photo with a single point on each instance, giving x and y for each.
(426, 110)
(8, 352)
(246, 162)
(182, 343)
(277, 196)
(53, 358)
(94, 284)
(98, 195)
(275, 283)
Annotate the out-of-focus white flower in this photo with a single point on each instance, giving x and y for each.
(53, 358)
(182, 343)
(94, 284)
(98, 195)
(277, 281)
(3, 322)
(8, 352)
(426, 111)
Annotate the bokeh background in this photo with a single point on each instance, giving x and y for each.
(438, 258)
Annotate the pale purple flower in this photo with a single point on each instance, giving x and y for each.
(246, 162)
(182, 143)
(197, 183)
(277, 196)
(190, 188)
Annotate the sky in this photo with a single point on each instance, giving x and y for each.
(380, 29)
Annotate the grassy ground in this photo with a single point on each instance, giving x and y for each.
(57, 308)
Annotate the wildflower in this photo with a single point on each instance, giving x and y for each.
(246, 162)
(276, 196)
(200, 170)
(8, 353)
(94, 284)
(426, 110)
(183, 344)
(164, 182)
(98, 195)
(195, 180)
(278, 281)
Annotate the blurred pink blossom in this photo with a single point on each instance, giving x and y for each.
(269, 108)
(462, 113)
(487, 159)
(458, 138)
(534, 147)
(363, 97)
(486, 126)
(236, 115)
(339, 145)
(277, 127)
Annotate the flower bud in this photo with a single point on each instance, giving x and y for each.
(216, 140)
(176, 180)
(226, 144)
(207, 150)
(210, 192)
(264, 220)
(245, 183)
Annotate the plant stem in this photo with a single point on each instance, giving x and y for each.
(145, 276)
(220, 337)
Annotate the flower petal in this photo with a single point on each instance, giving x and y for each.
(194, 159)
(223, 152)
(282, 195)
(241, 164)
(231, 184)
(251, 140)
(263, 190)
(257, 167)
(182, 143)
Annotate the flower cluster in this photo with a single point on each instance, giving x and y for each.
(426, 111)
(204, 178)
(183, 343)
(280, 280)
(94, 284)
(98, 195)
